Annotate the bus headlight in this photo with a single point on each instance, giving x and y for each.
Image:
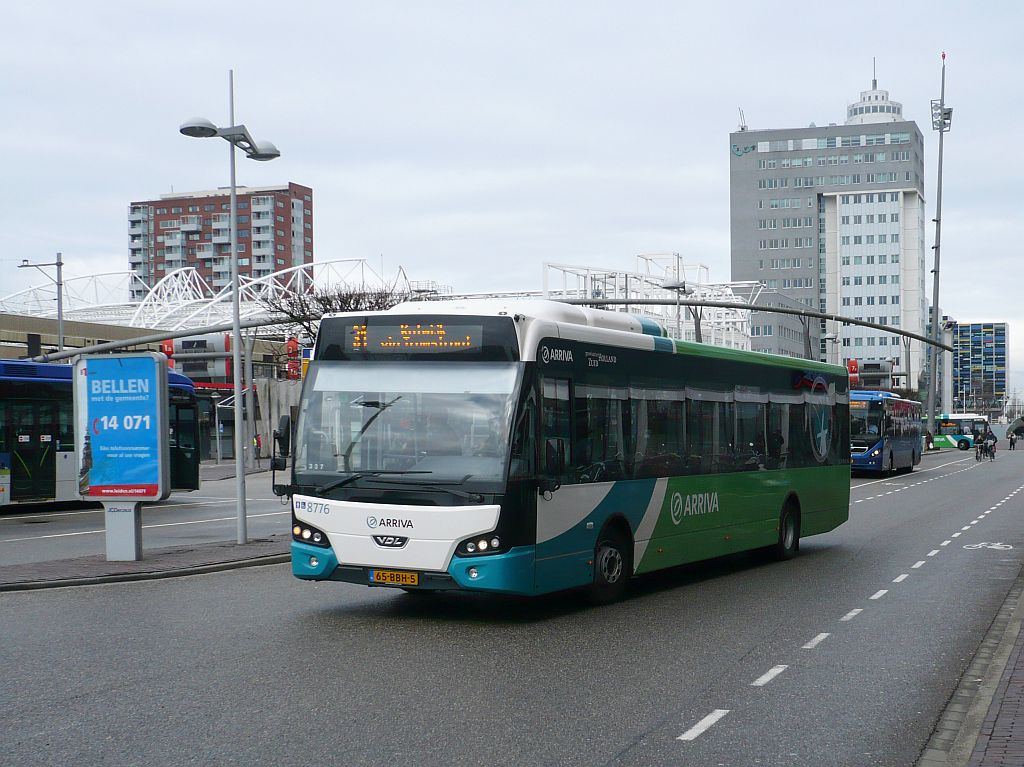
(877, 452)
(309, 534)
(482, 544)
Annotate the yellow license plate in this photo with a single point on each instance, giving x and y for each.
(395, 577)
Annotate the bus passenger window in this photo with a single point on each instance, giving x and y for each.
(556, 419)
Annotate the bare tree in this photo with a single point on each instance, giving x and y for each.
(305, 310)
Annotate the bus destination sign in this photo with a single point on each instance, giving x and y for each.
(415, 337)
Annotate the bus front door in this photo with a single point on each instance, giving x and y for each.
(31, 440)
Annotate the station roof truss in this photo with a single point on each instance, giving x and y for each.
(183, 299)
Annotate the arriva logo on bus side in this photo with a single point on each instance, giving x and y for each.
(555, 355)
(692, 505)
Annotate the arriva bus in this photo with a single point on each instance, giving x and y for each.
(885, 432)
(529, 447)
(957, 429)
(37, 440)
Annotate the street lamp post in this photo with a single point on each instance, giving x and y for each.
(236, 136)
(59, 263)
(942, 117)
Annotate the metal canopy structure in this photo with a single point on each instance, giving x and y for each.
(658, 277)
(183, 299)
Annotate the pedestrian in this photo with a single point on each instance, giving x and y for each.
(257, 443)
(1013, 440)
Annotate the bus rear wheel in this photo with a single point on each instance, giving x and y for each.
(613, 566)
(788, 544)
(962, 444)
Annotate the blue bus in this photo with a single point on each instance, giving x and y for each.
(885, 432)
(37, 441)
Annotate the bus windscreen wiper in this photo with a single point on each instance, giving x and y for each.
(439, 485)
(360, 474)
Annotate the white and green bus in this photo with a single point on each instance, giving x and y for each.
(526, 447)
(958, 429)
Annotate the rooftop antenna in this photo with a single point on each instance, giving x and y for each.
(874, 75)
(743, 120)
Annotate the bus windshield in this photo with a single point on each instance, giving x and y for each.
(865, 420)
(433, 421)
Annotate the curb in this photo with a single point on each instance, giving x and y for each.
(272, 559)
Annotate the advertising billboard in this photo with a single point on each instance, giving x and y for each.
(121, 427)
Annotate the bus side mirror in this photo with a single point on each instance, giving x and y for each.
(279, 463)
(283, 436)
(554, 465)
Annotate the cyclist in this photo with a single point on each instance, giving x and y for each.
(990, 444)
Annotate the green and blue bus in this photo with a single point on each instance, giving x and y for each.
(958, 429)
(526, 447)
(885, 432)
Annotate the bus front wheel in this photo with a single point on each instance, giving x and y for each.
(613, 566)
(788, 544)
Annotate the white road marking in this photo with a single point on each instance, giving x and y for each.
(956, 535)
(944, 543)
(966, 528)
(816, 641)
(702, 726)
(879, 594)
(917, 564)
(901, 578)
(765, 678)
(851, 615)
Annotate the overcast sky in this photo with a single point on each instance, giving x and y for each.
(470, 142)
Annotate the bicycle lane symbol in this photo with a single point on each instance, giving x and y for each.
(987, 545)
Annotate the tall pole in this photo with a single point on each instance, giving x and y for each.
(236, 332)
(941, 118)
(60, 303)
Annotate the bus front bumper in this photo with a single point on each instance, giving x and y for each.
(511, 572)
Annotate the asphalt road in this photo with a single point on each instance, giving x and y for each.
(845, 655)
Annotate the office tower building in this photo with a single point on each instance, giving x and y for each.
(834, 217)
(979, 366)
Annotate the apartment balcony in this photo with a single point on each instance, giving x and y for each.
(262, 248)
(262, 203)
(206, 250)
(138, 214)
(222, 236)
(173, 238)
(221, 221)
(137, 227)
(191, 223)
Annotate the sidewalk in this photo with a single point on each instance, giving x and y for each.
(210, 471)
(156, 563)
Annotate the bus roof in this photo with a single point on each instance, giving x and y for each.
(569, 315)
(874, 396)
(55, 372)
